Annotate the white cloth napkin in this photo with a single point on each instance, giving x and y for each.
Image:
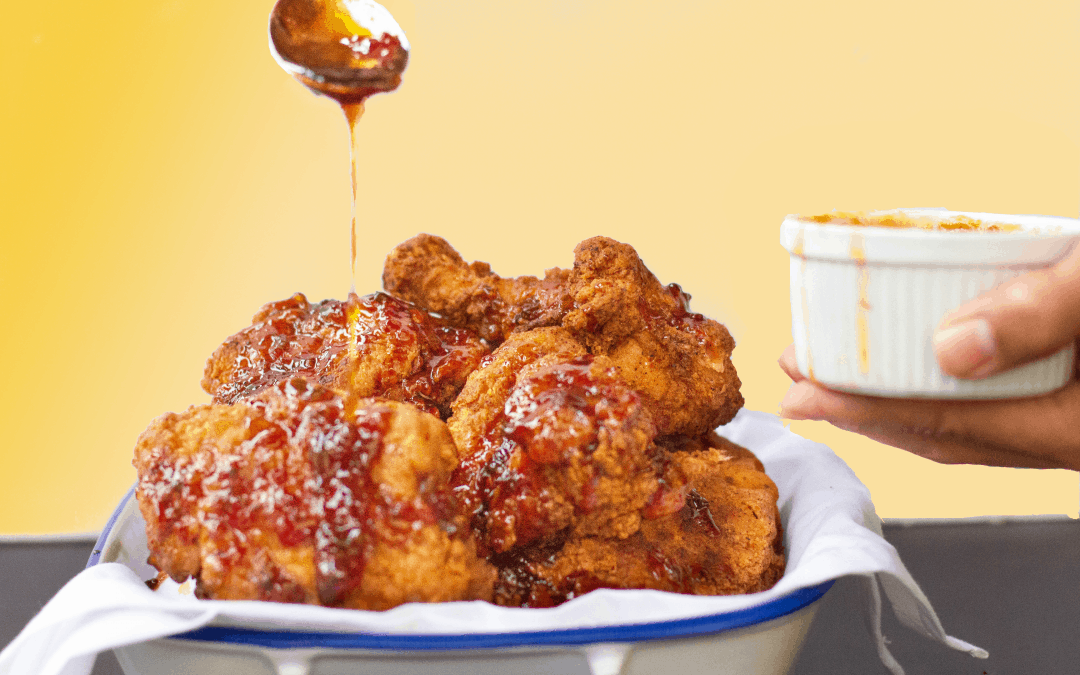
(831, 531)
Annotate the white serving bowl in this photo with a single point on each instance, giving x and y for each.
(865, 300)
(760, 640)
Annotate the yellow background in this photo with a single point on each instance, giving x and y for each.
(161, 177)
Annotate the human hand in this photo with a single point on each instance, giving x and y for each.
(1027, 318)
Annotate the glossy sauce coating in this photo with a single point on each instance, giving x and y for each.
(286, 338)
(551, 420)
(681, 318)
(413, 355)
(376, 345)
(355, 513)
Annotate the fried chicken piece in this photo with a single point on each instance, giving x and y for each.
(552, 442)
(712, 529)
(679, 361)
(427, 271)
(299, 495)
(376, 345)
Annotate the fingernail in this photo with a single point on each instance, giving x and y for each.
(965, 349)
(796, 402)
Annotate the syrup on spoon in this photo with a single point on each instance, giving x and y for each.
(345, 49)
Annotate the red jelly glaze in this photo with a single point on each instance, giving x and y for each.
(679, 316)
(549, 419)
(286, 338)
(294, 337)
(174, 487)
(353, 508)
(303, 474)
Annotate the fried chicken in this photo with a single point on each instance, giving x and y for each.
(299, 495)
(581, 407)
(376, 345)
(427, 271)
(679, 361)
(712, 529)
(552, 443)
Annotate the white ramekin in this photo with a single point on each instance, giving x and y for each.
(865, 300)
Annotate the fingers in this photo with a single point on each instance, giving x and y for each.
(789, 364)
(1022, 320)
(950, 452)
(1039, 432)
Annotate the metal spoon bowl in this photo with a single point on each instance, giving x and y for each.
(318, 43)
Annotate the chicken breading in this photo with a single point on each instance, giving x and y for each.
(427, 271)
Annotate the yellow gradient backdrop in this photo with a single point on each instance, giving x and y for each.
(161, 178)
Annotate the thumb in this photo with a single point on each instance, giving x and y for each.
(1021, 320)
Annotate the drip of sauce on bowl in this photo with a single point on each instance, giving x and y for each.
(347, 50)
(857, 252)
(797, 251)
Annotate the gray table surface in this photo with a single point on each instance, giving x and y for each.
(1012, 588)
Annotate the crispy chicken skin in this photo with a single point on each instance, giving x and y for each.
(298, 495)
(427, 271)
(679, 361)
(713, 529)
(401, 353)
(552, 443)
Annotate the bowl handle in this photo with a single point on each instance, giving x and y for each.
(606, 658)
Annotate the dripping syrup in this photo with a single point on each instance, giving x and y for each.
(343, 58)
(353, 113)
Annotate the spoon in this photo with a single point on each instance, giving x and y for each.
(344, 49)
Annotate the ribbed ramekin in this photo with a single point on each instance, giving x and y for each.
(865, 300)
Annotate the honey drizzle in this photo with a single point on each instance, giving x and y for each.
(857, 252)
(353, 113)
